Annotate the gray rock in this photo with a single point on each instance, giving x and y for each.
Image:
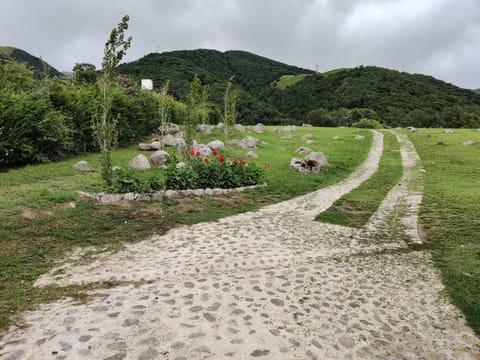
(468, 142)
(130, 322)
(170, 194)
(111, 198)
(181, 144)
(307, 137)
(248, 143)
(216, 145)
(359, 137)
(129, 196)
(156, 145)
(140, 162)
(259, 128)
(199, 192)
(82, 166)
(336, 138)
(346, 341)
(258, 353)
(220, 126)
(203, 128)
(203, 149)
(318, 157)
(169, 140)
(303, 150)
(170, 128)
(287, 137)
(160, 157)
(448, 131)
(239, 128)
(251, 154)
(144, 147)
(289, 128)
(312, 163)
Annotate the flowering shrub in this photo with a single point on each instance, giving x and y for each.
(213, 172)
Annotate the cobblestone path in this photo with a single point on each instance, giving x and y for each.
(269, 284)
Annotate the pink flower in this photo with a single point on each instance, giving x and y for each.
(244, 156)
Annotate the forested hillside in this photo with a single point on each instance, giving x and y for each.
(251, 74)
(8, 53)
(397, 97)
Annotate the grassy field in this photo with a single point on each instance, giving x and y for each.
(450, 212)
(356, 207)
(289, 80)
(42, 218)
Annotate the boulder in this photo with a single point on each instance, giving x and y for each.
(448, 131)
(216, 145)
(307, 137)
(359, 137)
(82, 166)
(170, 128)
(155, 145)
(318, 157)
(144, 147)
(233, 142)
(204, 128)
(160, 157)
(239, 128)
(468, 143)
(312, 163)
(251, 154)
(289, 128)
(139, 162)
(220, 126)
(303, 150)
(248, 143)
(309, 142)
(259, 129)
(181, 144)
(169, 140)
(336, 138)
(203, 149)
(287, 137)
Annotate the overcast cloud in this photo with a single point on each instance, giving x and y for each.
(434, 37)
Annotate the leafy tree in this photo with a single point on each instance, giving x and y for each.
(192, 116)
(229, 110)
(84, 73)
(164, 107)
(104, 125)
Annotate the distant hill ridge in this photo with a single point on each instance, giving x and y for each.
(9, 53)
(272, 90)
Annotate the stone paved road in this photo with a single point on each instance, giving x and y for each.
(271, 284)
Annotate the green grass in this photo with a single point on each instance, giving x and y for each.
(37, 229)
(450, 213)
(355, 208)
(334, 71)
(289, 80)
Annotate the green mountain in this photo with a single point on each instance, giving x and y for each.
(398, 98)
(8, 53)
(251, 74)
(272, 92)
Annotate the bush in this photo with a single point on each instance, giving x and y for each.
(180, 178)
(126, 180)
(368, 124)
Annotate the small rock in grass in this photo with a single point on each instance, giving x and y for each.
(82, 166)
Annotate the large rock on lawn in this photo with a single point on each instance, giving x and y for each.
(312, 163)
(160, 157)
(259, 128)
(248, 143)
(139, 162)
(240, 128)
(216, 145)
(82, 166)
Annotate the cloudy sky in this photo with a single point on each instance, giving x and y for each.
(434, 37)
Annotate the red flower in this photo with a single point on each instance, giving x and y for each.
(192, 152)
(244, 163)
(269, 165)
(198, 153)
(222, 160)
(215, 153)
(206, 160)
(235, 161)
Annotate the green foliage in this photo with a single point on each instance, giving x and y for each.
(84, 73)
(365, 123)
(193, 110)
(320, 117)
(288, 80)
(181, 178)
(126, 179)
(16, 77)
(229, 111)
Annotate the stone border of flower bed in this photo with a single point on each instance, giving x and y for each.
(106, 198)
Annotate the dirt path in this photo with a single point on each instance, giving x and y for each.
(272, 284)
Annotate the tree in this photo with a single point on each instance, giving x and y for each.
(229, 110)
(164, 107)
(104, 125)
(84, 73)
(193, 100)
